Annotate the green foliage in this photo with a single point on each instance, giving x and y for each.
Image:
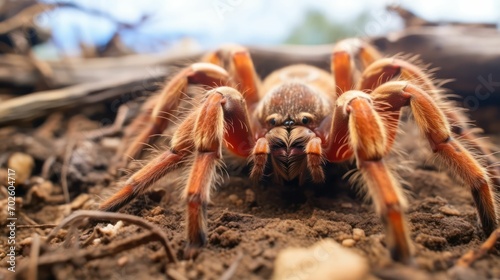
(317, 29)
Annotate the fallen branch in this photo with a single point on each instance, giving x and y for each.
(451, 49)
(38, 104)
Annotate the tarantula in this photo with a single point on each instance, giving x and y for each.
(297, 119)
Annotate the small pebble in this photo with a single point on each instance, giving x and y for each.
(111, 143)
(23, 165)
(346, 205)
(449, 210)
(79, 201)
(249, 196)
(233, 198)
(348, 242)
(239, 202)
(111, 230)
(325, 260)
(341, 236)
(358, 234)
(156, 211)
(41, 191)
(122, 261)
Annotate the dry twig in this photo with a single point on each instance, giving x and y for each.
(70, 146)
(473, 255)
(34, 254)
(229, 273)
(157, 233)
(89, 254)
(42, 226)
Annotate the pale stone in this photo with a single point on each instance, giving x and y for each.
(358, 234)
(325, 260)
(348, 242)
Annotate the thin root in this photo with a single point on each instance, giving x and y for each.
(156, 232)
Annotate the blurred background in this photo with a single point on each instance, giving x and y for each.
(157, 25)
(84, 52)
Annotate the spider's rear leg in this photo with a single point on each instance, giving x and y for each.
(222, 118)
(350, 56)
(155, 117)
(357, 128)
(435, 126)
(237, 61)
(181, 145)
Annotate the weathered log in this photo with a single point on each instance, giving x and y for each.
(42, 103)
(470, 56)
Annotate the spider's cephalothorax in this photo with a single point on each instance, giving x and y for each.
(299, 118)
(289, 115)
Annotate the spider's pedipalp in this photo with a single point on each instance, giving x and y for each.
(259, 158)
(315, 159)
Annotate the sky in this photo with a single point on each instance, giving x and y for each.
(213, 22)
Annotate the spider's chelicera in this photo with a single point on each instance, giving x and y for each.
(297, 119)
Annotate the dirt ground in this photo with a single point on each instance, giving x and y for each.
(249, 224)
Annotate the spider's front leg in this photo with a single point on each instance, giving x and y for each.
(221, 118)
(357, 130)
(435, 126)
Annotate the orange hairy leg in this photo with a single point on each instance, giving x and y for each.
(342, 70)
(435, 126)
(181, 144)
(387, 69)
(222, 118)
(315, 161)
(343, 62)
(367, 139)
(259, 158)
(237, 61)
(159, 113)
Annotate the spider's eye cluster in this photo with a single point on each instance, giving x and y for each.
(272, 121)
(305, 120)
